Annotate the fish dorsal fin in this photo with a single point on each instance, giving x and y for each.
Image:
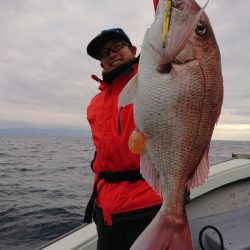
(127, 95)
(201, 172)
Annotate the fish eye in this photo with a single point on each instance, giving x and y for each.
(201, 29)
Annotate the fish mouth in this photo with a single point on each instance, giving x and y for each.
(164, 68)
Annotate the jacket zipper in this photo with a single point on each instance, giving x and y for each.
(119, 121)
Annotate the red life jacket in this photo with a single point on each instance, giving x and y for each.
(111, 129)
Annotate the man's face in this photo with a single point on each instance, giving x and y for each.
(116, 57)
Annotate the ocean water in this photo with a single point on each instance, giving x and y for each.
(45, 183)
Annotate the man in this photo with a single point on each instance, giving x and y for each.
(124, 203)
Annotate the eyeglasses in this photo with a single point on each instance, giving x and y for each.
(115, 47)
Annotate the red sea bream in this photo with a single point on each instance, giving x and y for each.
(177, 96)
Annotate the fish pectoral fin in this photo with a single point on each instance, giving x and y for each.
(128, 93)
(201, 172)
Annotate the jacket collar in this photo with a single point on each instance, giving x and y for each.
(108, 77)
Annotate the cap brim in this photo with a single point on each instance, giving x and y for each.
(96, 44)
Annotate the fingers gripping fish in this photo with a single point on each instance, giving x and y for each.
(177, 96)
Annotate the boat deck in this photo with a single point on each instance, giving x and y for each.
(222, 202)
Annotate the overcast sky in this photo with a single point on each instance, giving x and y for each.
(45, 72)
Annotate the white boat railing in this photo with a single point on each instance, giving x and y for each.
(82, 238)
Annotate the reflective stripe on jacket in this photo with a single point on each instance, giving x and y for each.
(111, 129)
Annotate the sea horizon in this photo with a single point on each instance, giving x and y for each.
(48, 132)
(60, 132)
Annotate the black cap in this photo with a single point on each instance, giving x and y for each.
(96, 44)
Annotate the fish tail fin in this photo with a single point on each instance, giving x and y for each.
(163, 234)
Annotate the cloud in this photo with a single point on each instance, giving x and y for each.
(43, 58)
(45, 71)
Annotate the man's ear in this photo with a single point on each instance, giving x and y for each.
(133, 49)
